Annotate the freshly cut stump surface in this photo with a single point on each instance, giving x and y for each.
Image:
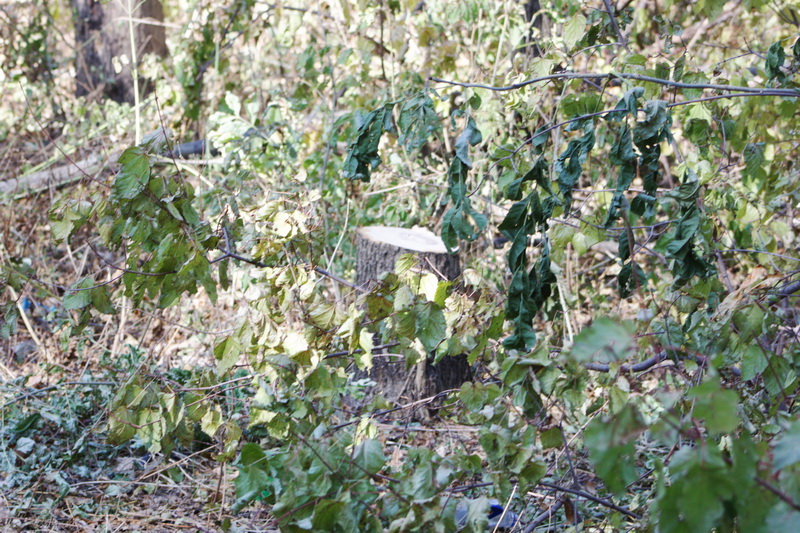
(380, 246)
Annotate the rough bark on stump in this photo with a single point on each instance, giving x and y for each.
(102, 33)
(378, 247)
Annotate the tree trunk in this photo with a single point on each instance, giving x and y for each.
(102, 33)
(536, 22)
(378, 248)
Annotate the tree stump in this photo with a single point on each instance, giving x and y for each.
(102, 33)
(378, 247)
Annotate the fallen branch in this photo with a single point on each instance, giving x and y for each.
(57, 177)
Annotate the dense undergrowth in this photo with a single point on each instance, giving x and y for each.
(620, 185)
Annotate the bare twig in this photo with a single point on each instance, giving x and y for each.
(36, 392)
(58, 147)
(647, 364)
(375, 349)
(790, 93)
(591, 497)
(777, 492)
(228, 254)
(546, 515)
(622, 38)
(387, 411)
(742, 250)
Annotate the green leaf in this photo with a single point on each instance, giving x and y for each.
(551, 438)
(295, 344)
(334, 515)
(610, 441)
(469, 137)
(754, 161)
(101, 300)
(477, 514)
(700, 489)
(362, 154)
(431, 325)
(630, 277)
(605, 341)
(227, 353)
(9, 314)
(417, 121)
(775, 59)
(78, 299)
(121, 426)
(64, 225)
(364, 359)
(570, 163)
(253, 478)
(656, 124)
(787, 448)
(473, 396)
(211, 421)
(574, 30)
(749, 321)
(475, 99)
(754, 362)
(677, 70)
(134, 174)
(27, 423)
(717, 406)
(369, 456)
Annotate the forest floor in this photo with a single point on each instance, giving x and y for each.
(57, 472)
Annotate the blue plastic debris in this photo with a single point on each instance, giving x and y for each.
(496, 517)
(38, 311)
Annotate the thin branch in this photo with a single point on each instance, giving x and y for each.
(387, 411)
(742, 250)
(513, 153)
(36, 392)
(339, 280)
(622, 38)
(777, 492)
(547, 515)
(559, 488)
(791, 93)
(78, 289)
(359, 350)
(54, 143)
(111, 265)
(591, 497)
(647, 364)
(228, 254)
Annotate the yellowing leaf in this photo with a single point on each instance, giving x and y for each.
(428, 284)
(574, 30)
(364, 360)
(294, 344)
(211, 421)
